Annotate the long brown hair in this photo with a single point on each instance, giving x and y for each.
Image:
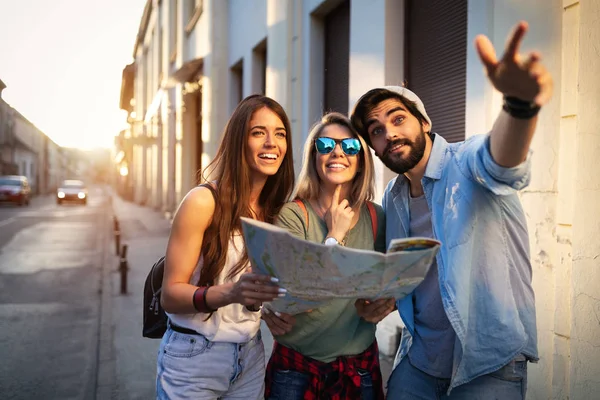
(232, 172)
(309, 182)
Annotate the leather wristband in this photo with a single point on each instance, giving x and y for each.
(199, 300)
(520, 109)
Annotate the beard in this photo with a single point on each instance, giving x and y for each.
(399, 163)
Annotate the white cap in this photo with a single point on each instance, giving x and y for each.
(409, 95)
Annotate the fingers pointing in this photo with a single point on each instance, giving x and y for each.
(336, 196)
(486, 53)
(512, 47)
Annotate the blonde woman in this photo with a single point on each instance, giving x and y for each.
(331, 351)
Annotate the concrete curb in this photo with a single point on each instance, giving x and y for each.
(106, 379)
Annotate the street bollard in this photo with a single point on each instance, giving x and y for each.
(117, 235)
(123, 268)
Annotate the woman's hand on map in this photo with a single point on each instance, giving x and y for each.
(374, 311)
(254, 289)
(278, 323)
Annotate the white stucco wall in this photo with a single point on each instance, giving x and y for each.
(247, 21)
(585, 327)
(215, 82)
(540, 198)
(280, 25)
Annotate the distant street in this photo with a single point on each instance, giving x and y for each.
(50, 279)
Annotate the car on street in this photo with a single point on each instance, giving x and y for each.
(15, 189)
(72, 190)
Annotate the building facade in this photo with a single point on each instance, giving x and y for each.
(7, 137)
(195, 60)
(26, 150)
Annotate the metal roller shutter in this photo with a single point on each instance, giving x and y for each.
(436, 54)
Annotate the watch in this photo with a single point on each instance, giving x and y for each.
(330, 241)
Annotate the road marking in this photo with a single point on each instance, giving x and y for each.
(7, 221)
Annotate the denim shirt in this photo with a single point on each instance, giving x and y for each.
(483, 263)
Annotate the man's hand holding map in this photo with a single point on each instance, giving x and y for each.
(313, 273)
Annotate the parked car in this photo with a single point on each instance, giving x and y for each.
(14, 189)
(72, 190)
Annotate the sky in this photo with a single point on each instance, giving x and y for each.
(62, 62)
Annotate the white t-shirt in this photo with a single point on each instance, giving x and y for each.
(232, 323)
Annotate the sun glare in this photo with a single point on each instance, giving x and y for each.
(64, 72)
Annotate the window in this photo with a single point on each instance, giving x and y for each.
(259, 68)
(337, 59)
(237, 84)
(193, 10)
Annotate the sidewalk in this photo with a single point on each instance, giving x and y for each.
(145, 231)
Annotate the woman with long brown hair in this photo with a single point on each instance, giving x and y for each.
(212, 348)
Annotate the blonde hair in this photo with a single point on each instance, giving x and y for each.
(309, 182)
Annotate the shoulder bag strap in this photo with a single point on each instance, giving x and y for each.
(303, 208)
(373, 214)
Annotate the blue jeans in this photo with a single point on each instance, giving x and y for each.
(507, 383)
(291, 385)
(189, 366)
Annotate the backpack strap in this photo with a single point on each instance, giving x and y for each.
(303, 208)
(373, 214)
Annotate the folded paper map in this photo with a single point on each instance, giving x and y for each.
(314, 273)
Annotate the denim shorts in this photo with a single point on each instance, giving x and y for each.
(189, 366)
(291, 385)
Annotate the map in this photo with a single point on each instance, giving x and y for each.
(313, 273)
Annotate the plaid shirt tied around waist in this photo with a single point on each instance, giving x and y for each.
(345, 384)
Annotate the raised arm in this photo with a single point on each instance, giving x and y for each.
(526, 86)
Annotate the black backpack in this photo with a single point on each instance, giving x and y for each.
(155, 318)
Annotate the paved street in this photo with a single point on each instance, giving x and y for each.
(50, 269)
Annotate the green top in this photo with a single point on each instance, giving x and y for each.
(335, 329)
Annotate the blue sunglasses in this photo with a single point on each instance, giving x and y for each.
(325, 145)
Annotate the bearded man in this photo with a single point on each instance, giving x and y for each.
(470, 326)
